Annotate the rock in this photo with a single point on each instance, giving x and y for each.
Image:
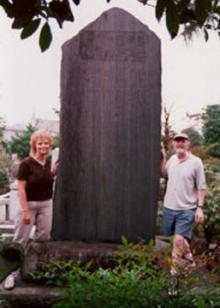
(212, 246)
(162, 245)
(13, 252)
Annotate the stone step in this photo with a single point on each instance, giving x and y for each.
(6, 236)
(30, 296)
(9, 228)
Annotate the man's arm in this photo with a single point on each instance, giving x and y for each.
(199, 215)
(163, 160)
(201, 198)
(201, 187)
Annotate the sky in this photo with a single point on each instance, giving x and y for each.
(30, 79)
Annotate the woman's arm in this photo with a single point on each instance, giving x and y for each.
(23, 201)
(54, 169)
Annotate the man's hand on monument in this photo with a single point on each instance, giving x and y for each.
(199, 216)
(163, 151)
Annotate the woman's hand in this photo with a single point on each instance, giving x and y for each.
(26, 217)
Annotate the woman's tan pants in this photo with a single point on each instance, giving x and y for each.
(41, 218)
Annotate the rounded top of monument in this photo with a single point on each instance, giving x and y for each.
(117, 20)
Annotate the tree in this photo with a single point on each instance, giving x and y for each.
(194, 136)
(211, 126)
(2, 127)
(20, 143)
(29, 15)
(167, 131)
(211, 129)
(4, 160)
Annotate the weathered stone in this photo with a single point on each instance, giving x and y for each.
(101, 254)
(29, 296)
(11, 255)
(13, 252)
(161, 245)
(110, 132)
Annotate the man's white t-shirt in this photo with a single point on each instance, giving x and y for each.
(185, 178)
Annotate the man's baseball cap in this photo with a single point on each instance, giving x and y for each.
(181, 136)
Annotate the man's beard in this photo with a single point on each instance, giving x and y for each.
(180, 151)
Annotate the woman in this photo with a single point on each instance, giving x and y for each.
(35, 189)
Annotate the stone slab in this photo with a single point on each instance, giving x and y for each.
(29, 296)
(108, 179)
(101, 254)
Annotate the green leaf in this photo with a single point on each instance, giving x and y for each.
(217, 9)
(160, 8)
(201, 11)
(7, 6)
(61, 11)
(45, 37)
(183, 4)
(19, 23)
(144, 2)
(172, 18)
(124, 240)
(187, 15)
(77, 2)
(206, 34)
(30, 28)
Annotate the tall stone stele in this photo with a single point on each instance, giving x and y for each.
(110, 132)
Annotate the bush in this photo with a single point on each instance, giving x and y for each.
(137, 280)
(3, 182)
(212, 209)
(200, 151)
(214, 150)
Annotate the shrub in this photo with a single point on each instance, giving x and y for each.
(212, 209)
(135, 281)
(214, 150)
(3, 182)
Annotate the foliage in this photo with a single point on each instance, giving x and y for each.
(212, 209)
(3, 182)
(211, 126)
(54, 272)
(29, 15)
(2, 127)
(4, 161)
(20, 143)
(214, 150)
(200, 151)
(56, 141)
(211, 130)
(136, 280)
(168, 133)
(194, 136)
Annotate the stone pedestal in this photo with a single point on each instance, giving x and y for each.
(100, 254)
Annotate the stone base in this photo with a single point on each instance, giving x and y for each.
(29, 296)
(101, 254)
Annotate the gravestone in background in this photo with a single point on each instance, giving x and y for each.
(110, 132)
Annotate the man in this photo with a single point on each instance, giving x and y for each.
(184, 199)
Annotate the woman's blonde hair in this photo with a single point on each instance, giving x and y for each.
(39, 134)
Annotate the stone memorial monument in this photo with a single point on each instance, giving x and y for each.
(108, 178)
